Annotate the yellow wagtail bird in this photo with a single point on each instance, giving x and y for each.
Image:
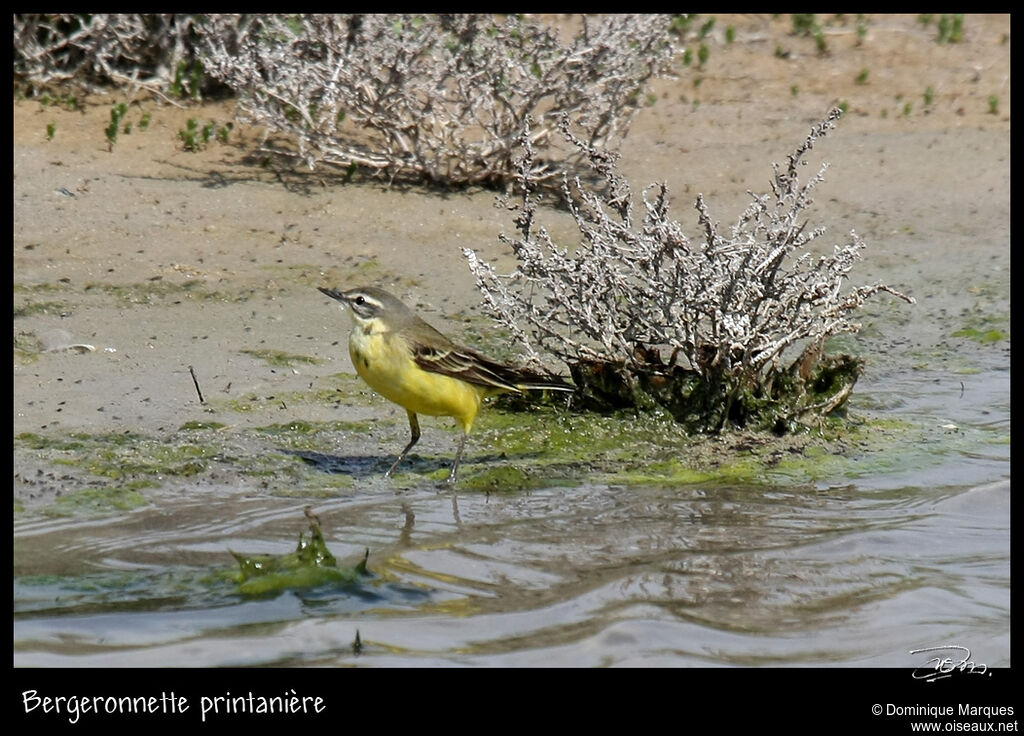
(408, 362)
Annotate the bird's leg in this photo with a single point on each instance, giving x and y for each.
(458, 458)
(414, 427)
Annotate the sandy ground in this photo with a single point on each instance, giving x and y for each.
(162, 259)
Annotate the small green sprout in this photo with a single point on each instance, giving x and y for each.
(196, 138)
(117, 113)
(681, 24)
(804, 24)
(862, 28)
(951, 28)
(820, 42)
(190, 135)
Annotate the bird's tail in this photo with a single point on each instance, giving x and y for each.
(536, 382)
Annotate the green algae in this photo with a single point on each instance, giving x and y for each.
(30, 307)
(149, 457)
(73, 441)
(310, 565)
(100, 500)
(511, 478)
(524, 450)
(294, 427)
(980, 325)
(532, 446)
(123, 456)
(647, 449)
(46, 288)
(201, 425)
(984, 336)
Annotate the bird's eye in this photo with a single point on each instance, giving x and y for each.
(360, 300)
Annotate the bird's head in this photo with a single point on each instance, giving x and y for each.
(370, 305)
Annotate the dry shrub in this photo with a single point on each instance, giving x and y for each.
(643, 315)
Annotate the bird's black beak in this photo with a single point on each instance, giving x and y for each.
(334, 294)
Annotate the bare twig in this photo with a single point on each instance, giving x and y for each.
(196, 382)
(136, 51)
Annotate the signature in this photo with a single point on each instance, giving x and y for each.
(939, 666)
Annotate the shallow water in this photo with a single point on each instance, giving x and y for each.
(849, 571)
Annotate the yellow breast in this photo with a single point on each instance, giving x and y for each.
(385, 362)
